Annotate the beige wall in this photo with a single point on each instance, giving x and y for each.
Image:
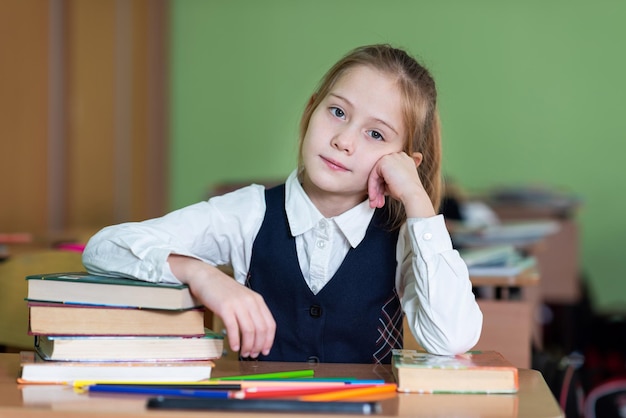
(82, 111)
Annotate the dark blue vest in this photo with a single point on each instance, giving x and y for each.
(355, 318)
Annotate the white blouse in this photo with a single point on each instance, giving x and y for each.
(431, 279)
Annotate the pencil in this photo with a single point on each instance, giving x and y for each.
(83, 383)
(143, 390)
(268, 376)
(218, 386)
(264, 405)
(349, 393)
(284, 392)
(350, 380)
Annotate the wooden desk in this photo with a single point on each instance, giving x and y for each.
(558, 258)
(533, 400)
(509, 325)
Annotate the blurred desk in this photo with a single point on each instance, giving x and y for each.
(508, 323)
(534, 398)
(558, 256)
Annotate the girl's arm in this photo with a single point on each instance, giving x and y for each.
(242, 310)
(184, 246)
(435, 289)
(432, 280)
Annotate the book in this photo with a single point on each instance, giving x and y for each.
(496, 261)
(15, 238)
(517, 233)
(130, 348)
(33, 369)
(510, 268)
(486, 256)
(70, 319)
(471, 372)
(90, 289)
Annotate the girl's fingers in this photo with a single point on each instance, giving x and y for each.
(232, 331)
(251, 328)
(376, 188)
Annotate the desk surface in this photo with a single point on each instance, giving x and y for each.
(533, 400)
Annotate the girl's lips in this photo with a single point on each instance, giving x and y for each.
(334, 164)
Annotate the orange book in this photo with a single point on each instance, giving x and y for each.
(472, 372)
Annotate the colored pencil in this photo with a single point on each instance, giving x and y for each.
(269, 376)
(82, 383)
(348, 380)
(349, 393)
(221, 386)
(284, 392)
(240, 384)
(143, 390)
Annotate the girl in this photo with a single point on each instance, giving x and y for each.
(326, 264)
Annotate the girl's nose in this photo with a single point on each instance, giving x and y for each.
(344, 141)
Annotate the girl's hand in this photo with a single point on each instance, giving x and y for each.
(249, 323)
(396, 175)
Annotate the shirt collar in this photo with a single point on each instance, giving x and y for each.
(302, 214)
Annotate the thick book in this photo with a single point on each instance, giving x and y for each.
(472, 372)
(89, 289)
(130, 348)
(70, 319)
(36, 370)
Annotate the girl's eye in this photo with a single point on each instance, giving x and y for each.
(337, 112)
(376, 135)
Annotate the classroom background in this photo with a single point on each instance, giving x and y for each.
(114, 111)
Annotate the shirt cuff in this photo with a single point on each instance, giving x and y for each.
(156, 268)
(429, 236)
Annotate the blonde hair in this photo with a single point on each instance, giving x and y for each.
(420, 113)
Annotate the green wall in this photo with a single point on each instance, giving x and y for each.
(531, 92)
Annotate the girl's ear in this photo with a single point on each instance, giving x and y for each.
(417, 157)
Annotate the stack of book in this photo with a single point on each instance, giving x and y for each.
(102, 328)
(519, 233)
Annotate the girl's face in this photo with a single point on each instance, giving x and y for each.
(357, 123)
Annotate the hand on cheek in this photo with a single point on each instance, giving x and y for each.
(396, 175)
(376, 188)
(391, 175)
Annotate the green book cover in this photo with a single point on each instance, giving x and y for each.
(85, 277)
(91, 289)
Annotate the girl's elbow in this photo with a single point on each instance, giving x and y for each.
(461, 339)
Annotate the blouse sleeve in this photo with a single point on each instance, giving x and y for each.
(219, 231)
(435, 289)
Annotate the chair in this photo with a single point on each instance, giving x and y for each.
(14, 288)
(608, 400)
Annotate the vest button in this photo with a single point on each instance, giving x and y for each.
(315, 311)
